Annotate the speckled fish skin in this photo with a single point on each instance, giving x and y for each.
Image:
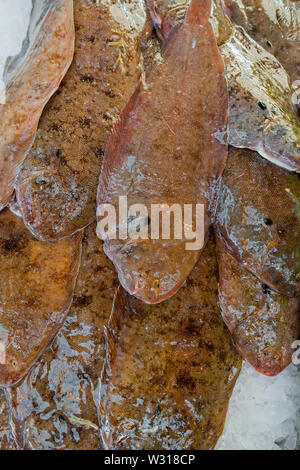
(170, 369)
(275, 25)
(30, 82)
(57, 406)
(262, 116)
(36, 290)
(6, 437)
(165, 150)
(57, 187)
(258, 219)
(263, 324)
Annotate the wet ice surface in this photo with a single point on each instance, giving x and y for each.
(14, 19)
(264, 413)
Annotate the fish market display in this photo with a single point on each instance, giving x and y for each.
(263, 324)
(258, 219)
(36, 289)
(262, 116)
(170, 368)
(30, 80)
(165, 150)
(56, 189)
(275, 25)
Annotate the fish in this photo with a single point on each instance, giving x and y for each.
(258, 218)
(275, 25)
(170, 368)
(6, 437)
(165, 150)
(30, 80)
(264, 324)
(56, 189)
(262, 114)
(60, 393)
(36, 291)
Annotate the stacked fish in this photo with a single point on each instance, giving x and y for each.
(137, 343)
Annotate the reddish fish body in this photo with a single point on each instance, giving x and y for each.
(165, 149)
(263, 324)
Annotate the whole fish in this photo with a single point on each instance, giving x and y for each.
(168, 148)
(60, 394)
(30, 80)
(36, 290)
(275, 25)
(263, 324)
(258, 218)
(262, 115)
(57, 186)
(170, 369)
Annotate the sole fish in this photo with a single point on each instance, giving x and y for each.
(31, 79)
(61, 391)
(165, 149)
(262, 116)
(170, 369)
(57, 186)
(258, 218)
(275, 25)
(263, 324)
(36, 290)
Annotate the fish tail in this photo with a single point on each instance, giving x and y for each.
(198, 12)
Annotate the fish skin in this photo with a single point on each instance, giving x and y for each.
(258, 218)
(57, 186)
(63, 385)
(262, 116)
(30, 82)
(263, 324)
(36, 292)
(135, 163)
(6, 437)
(170, 369)
(275, 25)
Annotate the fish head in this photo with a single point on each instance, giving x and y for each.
(281, 145)
(151, 270)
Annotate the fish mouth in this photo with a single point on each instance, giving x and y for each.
(10, 376)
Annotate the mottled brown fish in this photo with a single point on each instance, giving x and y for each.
(57, 186)
(170, 369)
(262, 115)
(263, 324)
(168, 148)
(31, 79)
(36, 289)
(258, 218)
(275, 25)
(60, 394)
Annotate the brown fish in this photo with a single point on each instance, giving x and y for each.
(258, 218)
(170, 369)
(36, 292)
(262, 115)
(275, 25)
(263, 324)
(60, 396)
(168, 148)
(57, 187)
(30, 81)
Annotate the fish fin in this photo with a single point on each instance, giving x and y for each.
(111, 331)
(198, 12)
